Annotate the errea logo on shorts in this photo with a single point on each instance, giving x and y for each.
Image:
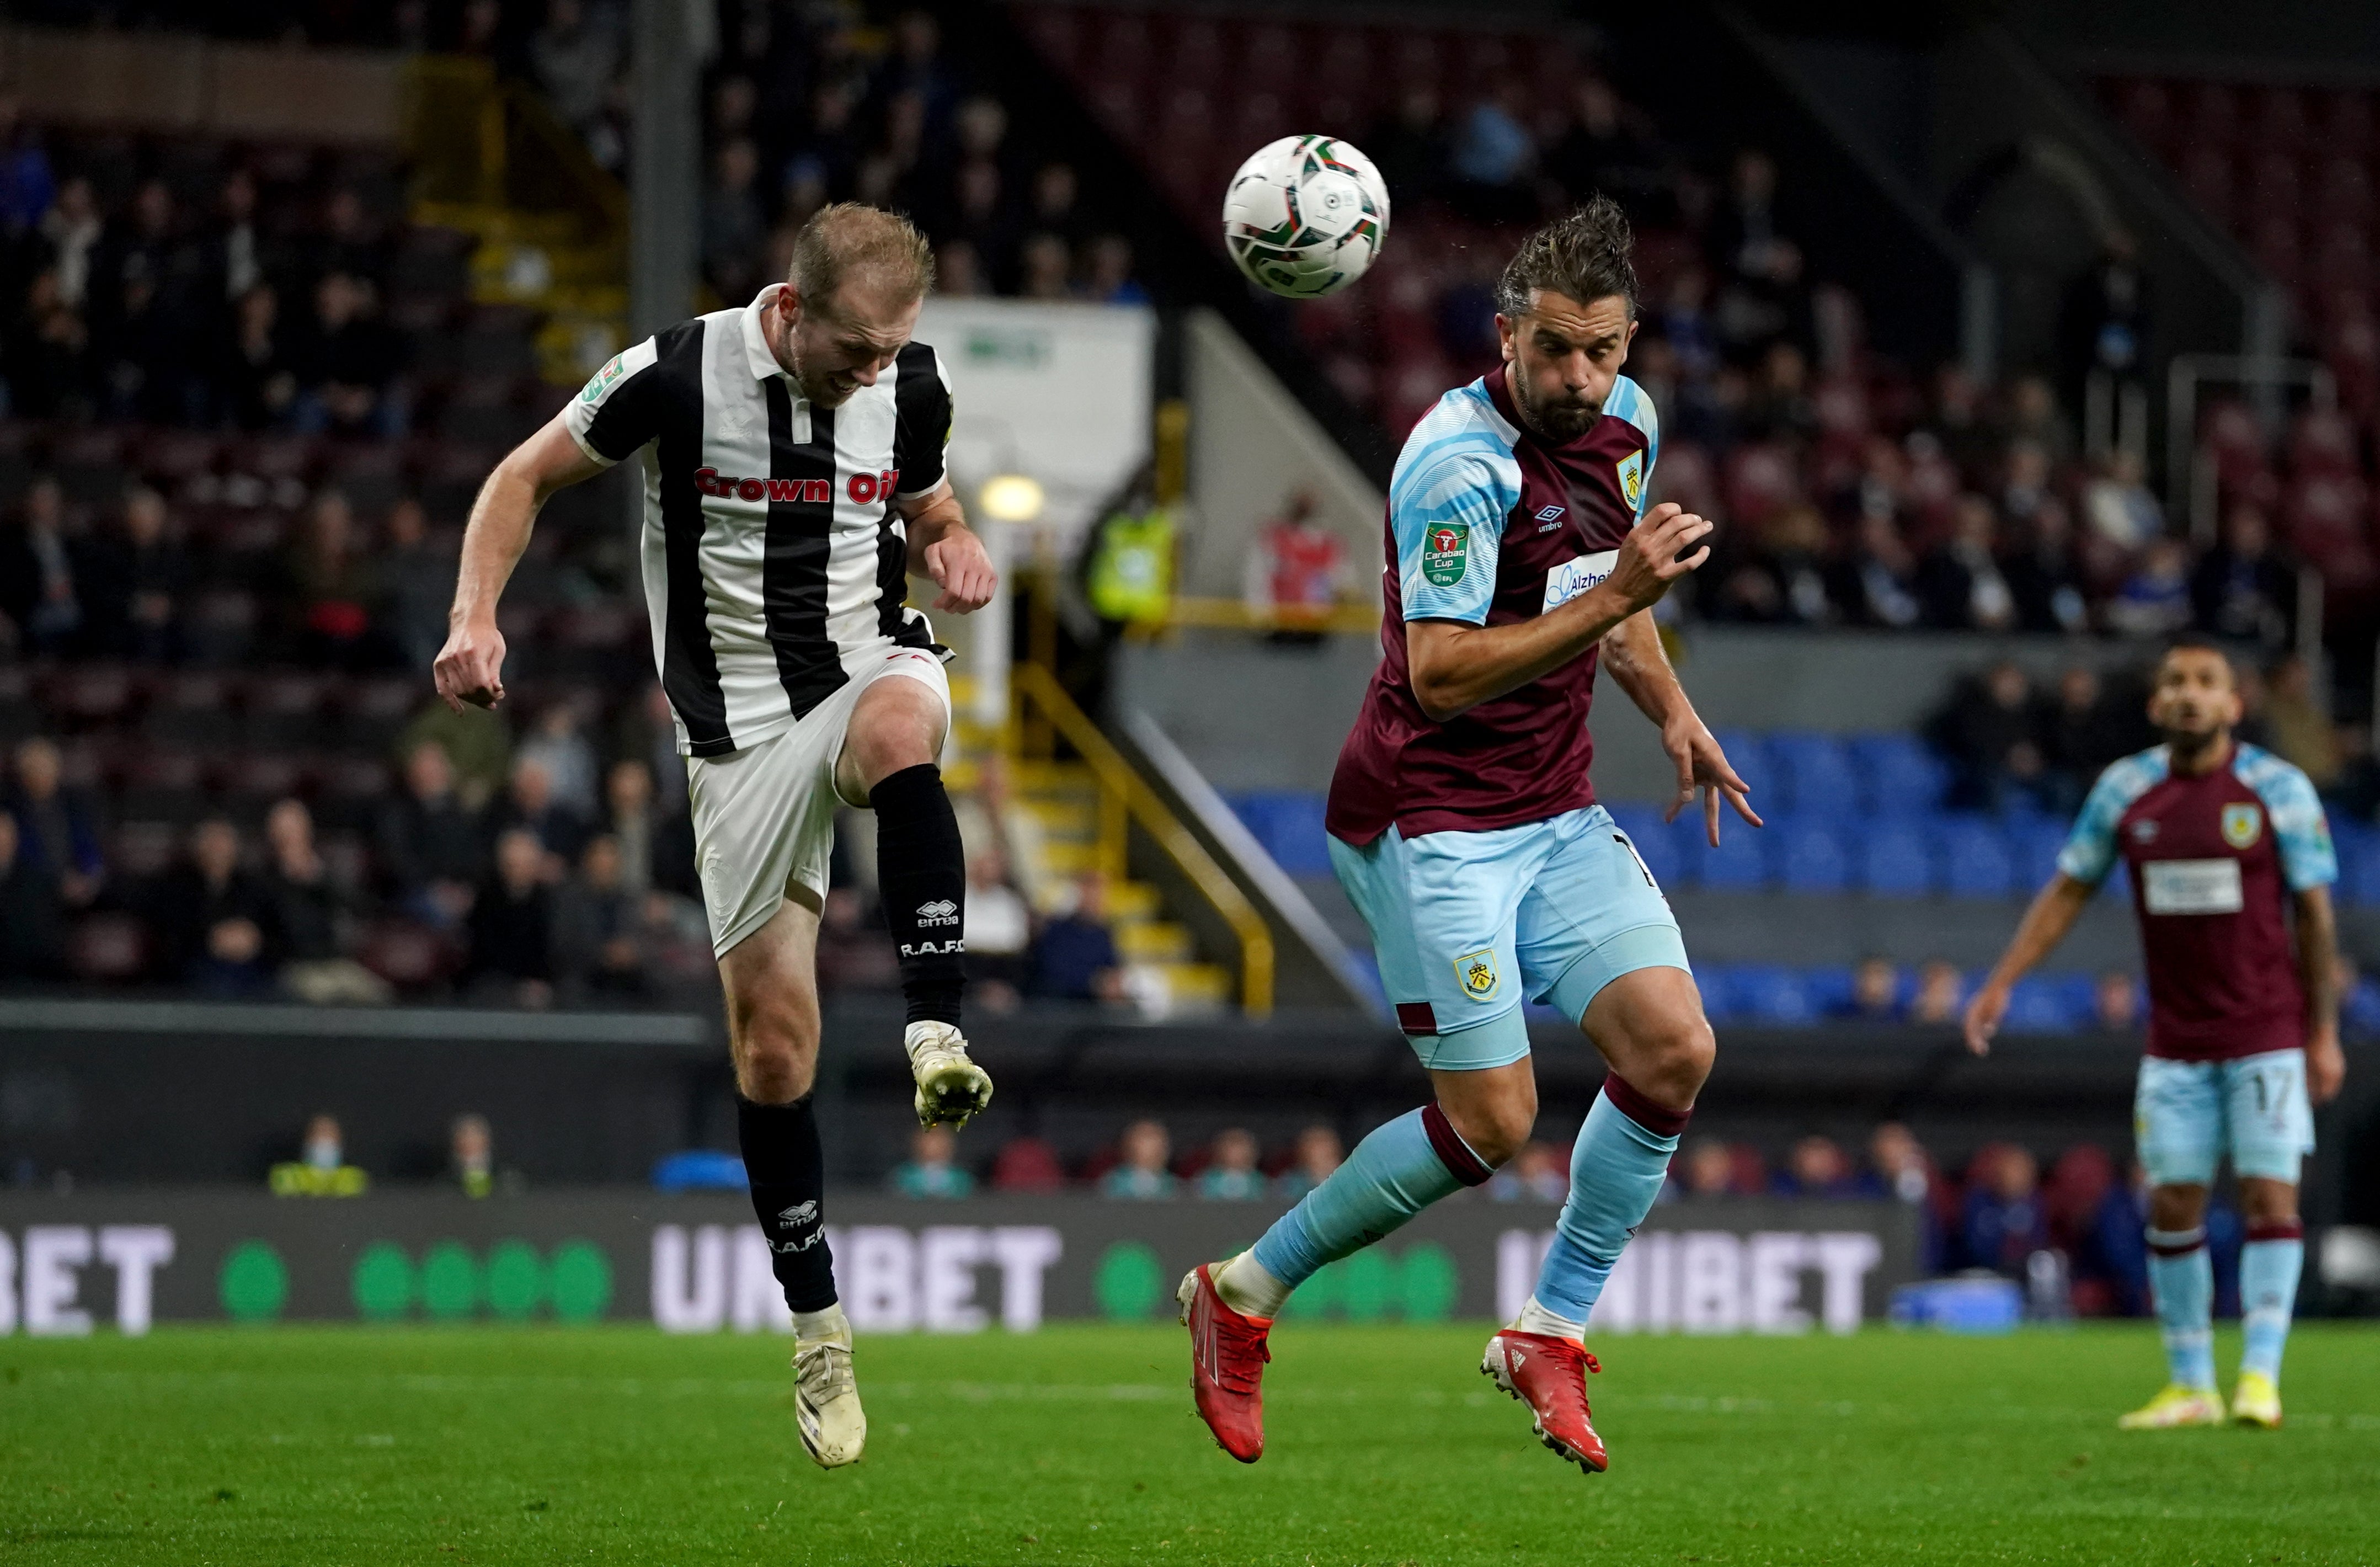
(941, 911)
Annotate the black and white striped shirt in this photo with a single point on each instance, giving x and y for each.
(774, 563)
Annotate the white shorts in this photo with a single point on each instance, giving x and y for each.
(764, 816)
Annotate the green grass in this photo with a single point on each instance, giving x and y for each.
(1078, 1445)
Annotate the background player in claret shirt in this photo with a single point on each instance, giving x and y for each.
(1466, 831)
(2222, 841)
(793, 476)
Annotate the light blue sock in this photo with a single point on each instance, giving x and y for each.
(1394, 1173)
(2268, 1293)
(1615, 1170)
(2181, 1280)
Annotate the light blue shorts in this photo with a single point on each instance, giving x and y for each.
(2187, 1114)
(1464, 924)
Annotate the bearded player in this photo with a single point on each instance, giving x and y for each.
(2223, 842)
(1466, 832)
(793, 474)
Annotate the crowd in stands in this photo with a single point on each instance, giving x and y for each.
(1995, 1214)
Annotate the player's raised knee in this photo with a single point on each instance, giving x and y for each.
(1673, 1059)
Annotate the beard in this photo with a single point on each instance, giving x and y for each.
(821, 388)
(1560, 422)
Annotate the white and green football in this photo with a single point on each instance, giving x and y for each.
(1305, 217)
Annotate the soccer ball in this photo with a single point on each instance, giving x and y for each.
(1305, 217)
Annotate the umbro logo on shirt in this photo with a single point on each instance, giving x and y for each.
(1551, 516)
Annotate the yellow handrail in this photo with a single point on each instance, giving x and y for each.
(1119, 781)
(1238, 614)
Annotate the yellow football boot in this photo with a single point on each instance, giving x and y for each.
(2256, 1401)
(2175, 1405)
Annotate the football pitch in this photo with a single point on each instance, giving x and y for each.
(293, 1445)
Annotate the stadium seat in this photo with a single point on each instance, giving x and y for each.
(1895, 861)
(1740, 864)
(2358, 847)
(2033, 843)
(1290, 827)
(2049, 1004)
(1810, 854)
(699, 1169)
(1829, 990)
(1904, 778)
(1773, 995)
(1653, 842)
(1814, 775)
(1976, 862)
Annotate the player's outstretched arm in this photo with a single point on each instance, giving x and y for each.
(2317, 944)
(2053, 913)
(470, 667)
(1633, 654)
(946, 548)
(1455, 666)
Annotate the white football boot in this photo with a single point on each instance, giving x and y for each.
(950, 1087)
(826, 1397)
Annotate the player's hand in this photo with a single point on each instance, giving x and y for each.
(1984, 1013)
(1702, 765)
(470, 667)
(2326, 1067)
(1648, 559)
(960, 567)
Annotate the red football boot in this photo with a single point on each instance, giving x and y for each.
(1549, 1376)
(1227, 1361)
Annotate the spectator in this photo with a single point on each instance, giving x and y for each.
(656, 843)
(1879, 585)
(2001, 1221)
(1232, 1174)
(2116, 1002)
(346, 366)
(2085, 732)
(412, 580)
(57, 828)
(233, 256)
(330, 590)
(1054, 205)
(1027, 1164)
(2154, 599)
(999, 932)
(596, 922)
(1991, 731)
(1493, 156)
(1876, 990)
(2113, 1256)
(430, 843)
(1409, 148)
(136, 579)
(558, 744)
(531, 806)
(1141, 1173)
(221, 931)
(1108, 277)
(1319, 1152)
(1295, 579)
(991, 817)
(39, 570)
(853, 953)
(1898, 1165)
(1047, 268)
(511, 925)
(932, 1169)
(321, 1169)
(2045, 574)
(2240, 589)
(2118, 508)
(1708, 1169)
(1075, 959)
(1940, 992)
(732, 224)
(1816, 1168)
(47, 354)
(73, 227)
(2301, 731)
(257, 366)
(1961, 581)
(309, 912)
(576, 58)
(471, 1155)
(1537, 1174)
(32, 943)
(2104, 322)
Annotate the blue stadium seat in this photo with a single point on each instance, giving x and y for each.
(2357, 845)
(1809, 852)
(2362, 1007)
(2034, 842)
(1750, 755)
(2049, 1004)
(1772, 995)
(1904, 777)
(1975, 859)
(1654, 844)
(1740, 864)
(1895, 860)
(1717, 982)
(1829, 990)
(1815, 776)
(1289, 828)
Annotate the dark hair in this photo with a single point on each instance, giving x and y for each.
(2198, 642)
(1583, 254)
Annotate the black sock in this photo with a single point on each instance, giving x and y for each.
(921, 875)
(787, 1169)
